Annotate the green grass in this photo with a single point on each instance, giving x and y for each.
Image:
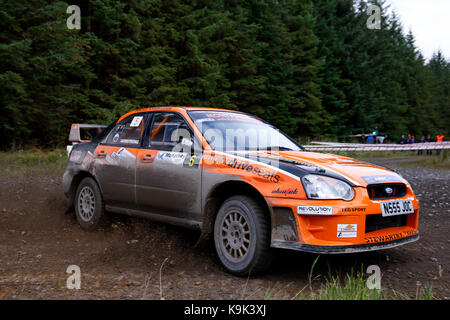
(348, 286)
(402, 158)
(32, 163)
(351, 287)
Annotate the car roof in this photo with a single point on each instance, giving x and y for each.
(173, 108)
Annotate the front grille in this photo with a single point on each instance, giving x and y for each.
(379, 191)
(378, 222)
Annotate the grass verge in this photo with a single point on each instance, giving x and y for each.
(32, 163)
(349, 286)
(403, 158)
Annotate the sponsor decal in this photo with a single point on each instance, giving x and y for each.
(214, 160)
(390, 237)
(129, 141)
(315, 210)
(254, 169)
(193, 161)
(348, 230)
(222, 116)
(250, 165)
(381, 179)
(353, 209)
(176, 158)
(122, 158)
(342, 234)
(136, 121)
(347, 227)
(285, 192)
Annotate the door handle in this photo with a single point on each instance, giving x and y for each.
(101, 154)
(148, 158)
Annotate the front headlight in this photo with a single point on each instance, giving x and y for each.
(326, 188)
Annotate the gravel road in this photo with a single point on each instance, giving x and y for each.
(139, 259)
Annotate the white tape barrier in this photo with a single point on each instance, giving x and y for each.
(380, 147)
(318, 144)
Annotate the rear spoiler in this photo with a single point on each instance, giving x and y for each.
(75, 135)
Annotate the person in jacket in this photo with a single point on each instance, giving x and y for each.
(402, 139)
(429, 139)
(421, 140)
(439, 138)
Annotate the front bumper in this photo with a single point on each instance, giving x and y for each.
(321, 233)
(343, 248)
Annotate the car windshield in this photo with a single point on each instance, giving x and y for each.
(232, 131)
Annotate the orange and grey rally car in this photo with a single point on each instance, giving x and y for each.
(239, 180)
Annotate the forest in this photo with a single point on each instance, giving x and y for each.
(312, 68)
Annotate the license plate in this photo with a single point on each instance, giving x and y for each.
(396, 207)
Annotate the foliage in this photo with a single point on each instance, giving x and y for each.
(312, 68)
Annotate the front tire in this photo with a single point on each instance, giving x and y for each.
(242, 236)
(89, 208)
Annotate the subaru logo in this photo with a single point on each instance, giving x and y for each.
(388, 190)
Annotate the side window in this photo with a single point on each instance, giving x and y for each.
(167, 130)
(128, 132)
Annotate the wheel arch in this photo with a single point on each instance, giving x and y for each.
(219, 194)
(77, 178)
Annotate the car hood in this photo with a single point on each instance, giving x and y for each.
(357, 172)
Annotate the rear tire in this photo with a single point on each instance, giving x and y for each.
(242, 236)
(89, 208)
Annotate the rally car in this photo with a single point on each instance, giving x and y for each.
(239, 180)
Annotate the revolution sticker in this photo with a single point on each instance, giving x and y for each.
(315, 210)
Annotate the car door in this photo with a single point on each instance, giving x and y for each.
(116, 160)
(168, 175)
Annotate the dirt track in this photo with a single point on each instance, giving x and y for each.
(38, 242)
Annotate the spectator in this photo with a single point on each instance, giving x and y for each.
(380, 139)
(402, 140)
(408, 141)
(429, 139)
(421, 140)
(439, 138)
(363, 139)
(375, 132)
(412, 140)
